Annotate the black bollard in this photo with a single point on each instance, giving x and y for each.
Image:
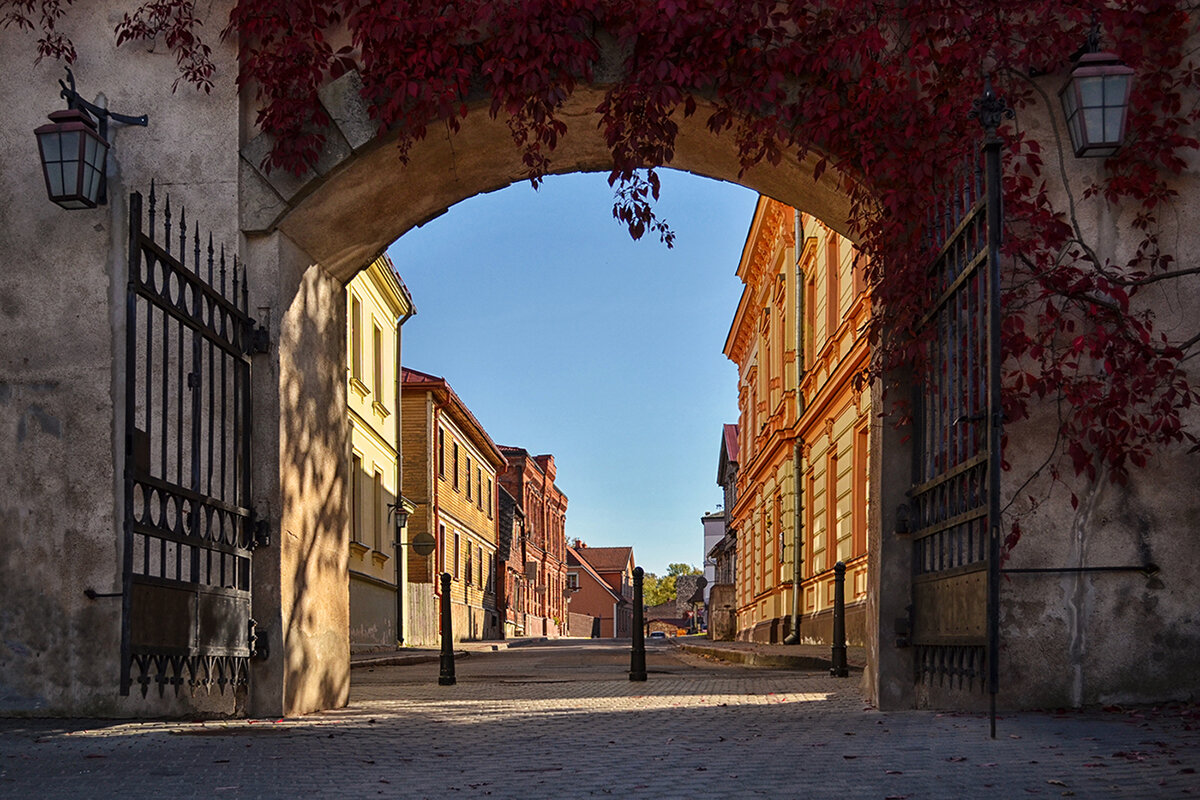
(637, 657)
(446, 675)
(839, 668)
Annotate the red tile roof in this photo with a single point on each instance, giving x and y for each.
(574, 559)
(607, 559)
(441, 387)
(731, 442)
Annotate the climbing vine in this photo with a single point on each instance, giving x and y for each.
(876, 90)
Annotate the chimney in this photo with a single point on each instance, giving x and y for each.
(579, 545)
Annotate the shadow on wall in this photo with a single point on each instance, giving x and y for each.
(314, 535)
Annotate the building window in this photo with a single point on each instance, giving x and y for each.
(356, 520)
(355, 338)
(377, 365)
(862, 439)
(833, 292)
(810, 322)
(572, 580)
(441, 452)
(468, 477)
(454, 569)
(378, 510)
(454, 464)
(490, 503)
(470, 563)
(479, 488)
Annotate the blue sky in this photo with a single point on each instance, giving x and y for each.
(565, 336)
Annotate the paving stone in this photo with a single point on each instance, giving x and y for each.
(564, 721)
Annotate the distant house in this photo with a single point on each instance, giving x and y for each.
(722, 601)
(665, 617)
(600, 580)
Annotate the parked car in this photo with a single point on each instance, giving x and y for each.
(657, 635)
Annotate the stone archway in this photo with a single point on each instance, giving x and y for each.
(307, 236)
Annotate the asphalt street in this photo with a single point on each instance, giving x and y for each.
(562, 720)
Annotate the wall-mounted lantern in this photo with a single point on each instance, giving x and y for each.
(1095, 101)
(74, 149)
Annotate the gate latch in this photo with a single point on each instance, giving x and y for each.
(261, 533)
(259, 340)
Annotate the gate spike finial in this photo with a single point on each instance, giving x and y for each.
(167, 224)
(183, 236)
(153, 201)
(210, 258)
(222, 270)
(196, 247)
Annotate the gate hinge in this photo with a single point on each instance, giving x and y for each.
(261, 533)
(258, 643)
(259, 340)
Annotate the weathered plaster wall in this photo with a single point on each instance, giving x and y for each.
(62, 284)
(1107, 637)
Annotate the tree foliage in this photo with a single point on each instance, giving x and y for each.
(656, 590)
(877, 90)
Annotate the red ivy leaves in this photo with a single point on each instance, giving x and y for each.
(40, 15)
(176, 22)
(876, 89)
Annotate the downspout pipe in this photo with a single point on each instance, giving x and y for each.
(401, 553)
(798, 451)
(797, 544)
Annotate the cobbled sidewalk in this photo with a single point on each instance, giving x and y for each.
(715, 734)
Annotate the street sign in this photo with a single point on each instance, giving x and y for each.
(423, 544)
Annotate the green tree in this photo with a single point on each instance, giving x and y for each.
(656, 590)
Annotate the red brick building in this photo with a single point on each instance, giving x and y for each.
(536, 558)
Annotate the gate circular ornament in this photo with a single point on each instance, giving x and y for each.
(423, 544)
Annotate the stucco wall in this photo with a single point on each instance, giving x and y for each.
(62, 285)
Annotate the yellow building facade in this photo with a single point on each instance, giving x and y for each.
(798, 341)
(377, 304)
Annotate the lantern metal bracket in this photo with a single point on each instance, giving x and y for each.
(102, 115)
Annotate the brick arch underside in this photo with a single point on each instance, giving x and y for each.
(360, 197)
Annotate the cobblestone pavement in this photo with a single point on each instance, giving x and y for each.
(563, 721)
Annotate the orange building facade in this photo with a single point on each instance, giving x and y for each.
(798, 341)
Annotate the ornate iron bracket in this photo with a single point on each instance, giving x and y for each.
(259, 644)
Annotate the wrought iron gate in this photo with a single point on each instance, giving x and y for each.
(189, 529)
(950, 498)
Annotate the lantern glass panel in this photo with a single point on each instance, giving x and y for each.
(1091, 91)
(92, 168)
(1116, 90)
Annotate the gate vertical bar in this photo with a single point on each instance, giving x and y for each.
(991, 111)
(135, 266)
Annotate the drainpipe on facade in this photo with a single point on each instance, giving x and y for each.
(401, 553)
(798, 453)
